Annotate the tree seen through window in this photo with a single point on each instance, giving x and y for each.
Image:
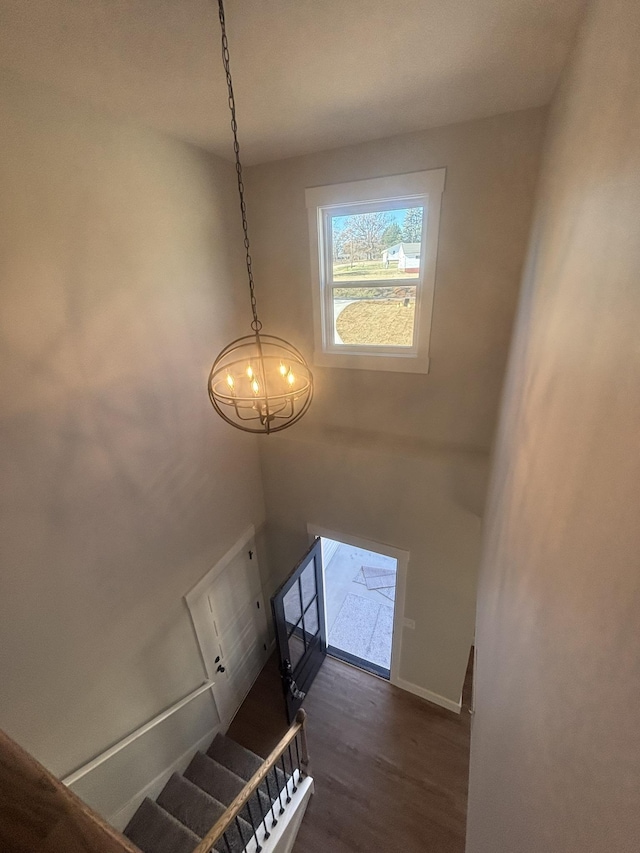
(377, 245)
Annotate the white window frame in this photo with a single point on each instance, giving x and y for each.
(414, 189)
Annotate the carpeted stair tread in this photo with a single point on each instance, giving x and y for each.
(199, 811)
(239, 759)
(154, 830)
(244, 763)
(223, 784)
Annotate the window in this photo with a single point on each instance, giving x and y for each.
(373, 258)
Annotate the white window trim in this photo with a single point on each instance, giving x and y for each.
(425, 188)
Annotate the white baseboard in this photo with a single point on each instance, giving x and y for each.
(122, 817)
(442, 701)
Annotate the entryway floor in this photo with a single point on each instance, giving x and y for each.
(390, 769)
(359, 599)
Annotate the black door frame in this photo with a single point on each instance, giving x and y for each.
(298, 677)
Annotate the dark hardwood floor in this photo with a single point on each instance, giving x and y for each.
(390, 769)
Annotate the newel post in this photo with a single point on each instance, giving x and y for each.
(301, 718)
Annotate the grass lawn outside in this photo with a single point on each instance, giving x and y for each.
(380, 292)
(369, 271)
(377, 323)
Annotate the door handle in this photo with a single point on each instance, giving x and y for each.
(292, 687)
(296, 694)
(220, 668)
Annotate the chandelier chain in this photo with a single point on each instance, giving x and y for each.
(256, 325)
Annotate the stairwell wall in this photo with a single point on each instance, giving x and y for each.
(402, 459)
(555, 747)
(120, 487)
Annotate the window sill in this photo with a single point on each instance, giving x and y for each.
(390, 363)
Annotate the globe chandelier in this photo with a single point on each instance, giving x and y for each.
(258, 383)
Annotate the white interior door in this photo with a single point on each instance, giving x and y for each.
(240, 627)
(230, 620)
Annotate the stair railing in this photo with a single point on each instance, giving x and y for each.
(38, 812)
(292, 746)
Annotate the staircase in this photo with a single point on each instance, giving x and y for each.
(228, 787)
(227, 800)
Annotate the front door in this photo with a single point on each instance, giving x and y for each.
(298, 616)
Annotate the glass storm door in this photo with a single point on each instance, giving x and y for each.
(298, 617)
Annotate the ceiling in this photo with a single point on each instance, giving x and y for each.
(309, 74)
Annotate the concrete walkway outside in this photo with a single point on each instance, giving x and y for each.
(370, 610)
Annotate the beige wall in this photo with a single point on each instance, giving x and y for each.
(556, 740)
(402, 458)
(120, 487)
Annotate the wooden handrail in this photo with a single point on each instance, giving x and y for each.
(222, 824)
(38, 812)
